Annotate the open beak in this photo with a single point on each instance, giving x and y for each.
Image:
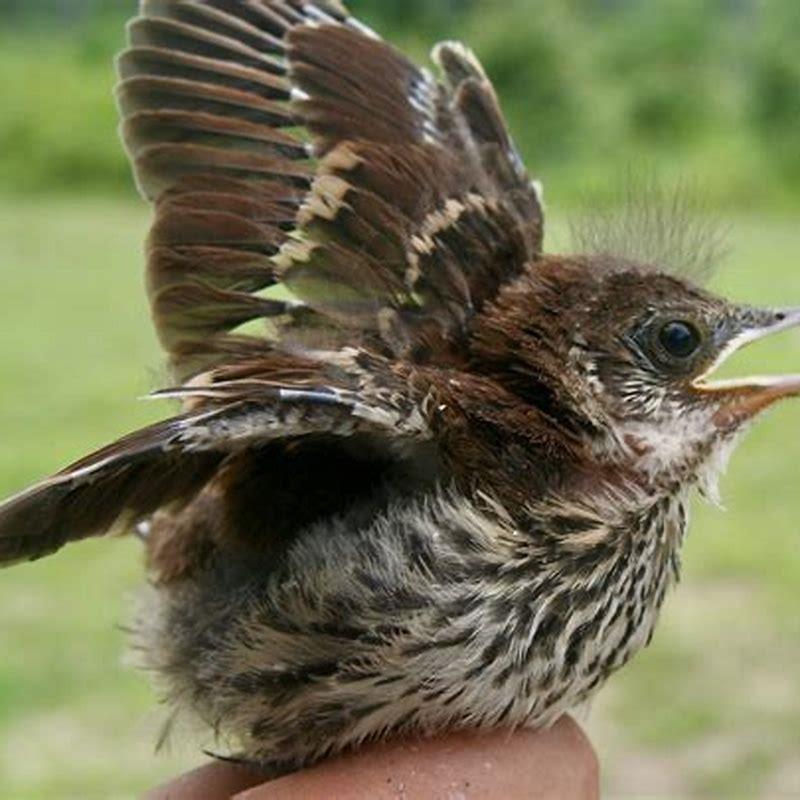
(741, 399)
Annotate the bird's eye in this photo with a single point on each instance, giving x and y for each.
(680, 339)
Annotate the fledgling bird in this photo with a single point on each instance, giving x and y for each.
(447, 485)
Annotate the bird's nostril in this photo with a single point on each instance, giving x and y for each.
(780, 316)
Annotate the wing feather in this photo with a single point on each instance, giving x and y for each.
(271, 398)
(306, 174)
(392, 204)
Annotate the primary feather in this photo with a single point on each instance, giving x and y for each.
(284, 145)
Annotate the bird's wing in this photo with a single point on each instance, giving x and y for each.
(233, 412)
(306, 173)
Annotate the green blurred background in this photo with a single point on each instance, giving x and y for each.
(705, 89)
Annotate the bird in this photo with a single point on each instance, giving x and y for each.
(424, 476)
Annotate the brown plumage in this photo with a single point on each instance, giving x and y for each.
(446, 485)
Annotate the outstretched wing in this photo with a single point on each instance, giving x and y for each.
(307, 173)
(234, 413)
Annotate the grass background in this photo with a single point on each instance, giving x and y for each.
(712, 708)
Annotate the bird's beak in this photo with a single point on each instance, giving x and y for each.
(740, 400)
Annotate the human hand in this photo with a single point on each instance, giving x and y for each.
(557, 764)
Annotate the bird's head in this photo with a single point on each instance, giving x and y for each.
(625, 355)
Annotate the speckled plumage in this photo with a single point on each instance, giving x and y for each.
(438, 614)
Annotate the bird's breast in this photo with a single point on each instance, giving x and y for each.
(580, 617)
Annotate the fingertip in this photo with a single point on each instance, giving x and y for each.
(555, 764)
(217, 781)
